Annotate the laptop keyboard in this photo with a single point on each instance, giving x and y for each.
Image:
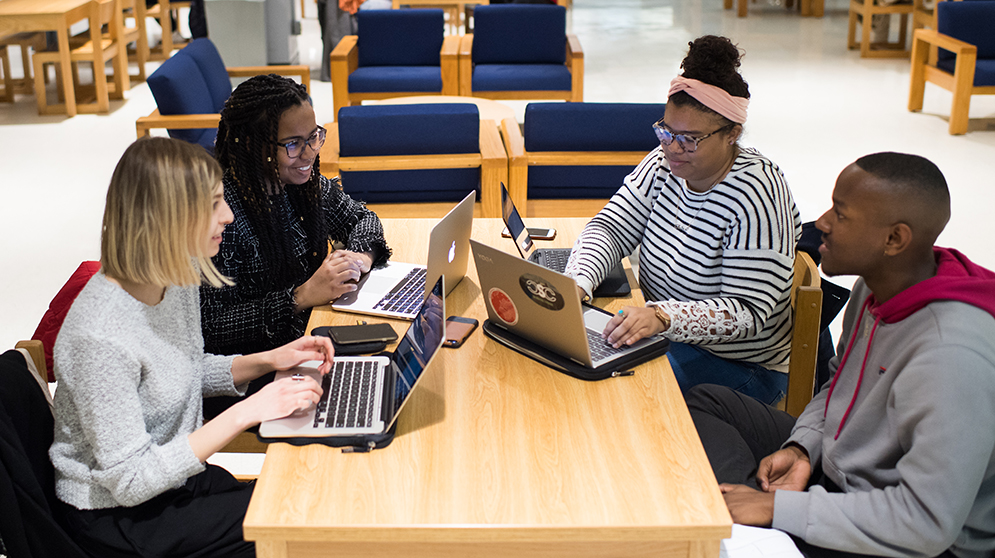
(348, 398)
(600, 349)
(406, 297)
(555, 259)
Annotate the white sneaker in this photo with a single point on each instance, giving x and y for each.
(177, 38)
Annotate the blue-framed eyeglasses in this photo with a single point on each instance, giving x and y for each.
(295, 147)
(687, 143)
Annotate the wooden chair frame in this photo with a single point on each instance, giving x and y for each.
(520, 160)
(94, 47)
(145, 124)
(865, 10)
(135, 9)
(575, 62)
(806, 303)
(960, 83)
(12, 85)
(344, 60)
(162, 12)
(491, 159)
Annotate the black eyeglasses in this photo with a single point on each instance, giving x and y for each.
(295, 147)
(687, 143)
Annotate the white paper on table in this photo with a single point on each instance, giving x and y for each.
(756, 542)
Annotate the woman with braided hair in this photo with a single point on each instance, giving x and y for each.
(716, 226)
(276, 250)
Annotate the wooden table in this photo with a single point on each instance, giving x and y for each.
(452, 7)
(17, 16)
(496, 455)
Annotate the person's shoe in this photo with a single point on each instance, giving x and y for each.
(177, 38)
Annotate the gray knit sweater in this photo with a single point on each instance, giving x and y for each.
(131, 379)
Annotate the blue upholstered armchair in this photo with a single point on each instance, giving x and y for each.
(521, 51)
(191, 88)
(425, 156)
(396, 53)
(574, 155)
(965, 64)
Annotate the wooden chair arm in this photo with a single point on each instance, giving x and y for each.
(450, 46)
(593, 158)
(493, 168)
(176, 121)
(449, 65)
(573, 47)
(343, 61)
(410, 162)
(466, 45)
(804, 350)
(329, 154)
(518, 163)
(348, 50)
(301, 71)
(935, 38)
(575, 61)
(36, 349)
(514, 143)
(466, 65)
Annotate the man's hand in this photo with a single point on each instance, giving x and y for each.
(785, 469)
(748, 506)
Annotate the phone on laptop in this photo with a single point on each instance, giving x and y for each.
(362, 333)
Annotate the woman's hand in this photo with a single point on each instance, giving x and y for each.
(281, 398)
(631, 324)
(336, 276)
(307, 348)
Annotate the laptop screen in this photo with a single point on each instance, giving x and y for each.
(516, 227)
(419, 345)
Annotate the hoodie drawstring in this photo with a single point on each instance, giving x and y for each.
(839, 369)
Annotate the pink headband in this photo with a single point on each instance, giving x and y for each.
(715, 98)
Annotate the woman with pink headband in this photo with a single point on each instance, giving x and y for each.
(716, 227)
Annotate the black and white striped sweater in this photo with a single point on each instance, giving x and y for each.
(719, 262)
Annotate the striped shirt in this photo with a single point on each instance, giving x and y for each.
(720, 263)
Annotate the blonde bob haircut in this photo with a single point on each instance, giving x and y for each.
(159, 208)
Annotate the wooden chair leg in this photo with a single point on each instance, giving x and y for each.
(741, 8)
(917, 75)
(851, 30)
(960, 107)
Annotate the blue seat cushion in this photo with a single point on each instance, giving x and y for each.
(179, 88)
(213, 69)
(521, 77)
(519, 34)
(984, 70)
(400, 37)
(555, 182)
(405, 186)
(382, 79)
(426, 129)
(591, 126)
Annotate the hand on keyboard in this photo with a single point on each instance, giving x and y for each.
(282, 398)
(336, 276)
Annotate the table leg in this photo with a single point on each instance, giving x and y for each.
(99, 71)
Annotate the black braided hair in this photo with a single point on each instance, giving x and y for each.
(247, 151)
(713, 60)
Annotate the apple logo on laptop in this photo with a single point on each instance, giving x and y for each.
(452, 252)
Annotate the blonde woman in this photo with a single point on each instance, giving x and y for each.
(130, 446)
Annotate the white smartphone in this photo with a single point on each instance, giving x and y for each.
(535, 232)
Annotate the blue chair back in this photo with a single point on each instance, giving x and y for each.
(400, 37)
(972, 22)
(586, 127)
(519, 34)
(429, 129)
(179, 87)
(212, 67)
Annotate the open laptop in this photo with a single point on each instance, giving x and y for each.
(397, 289)
(364, 395)
(544, 307)
(614, 284)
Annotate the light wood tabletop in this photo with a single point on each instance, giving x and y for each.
(497, 455)
(17, 16)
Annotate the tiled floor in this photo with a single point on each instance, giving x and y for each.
(816, 107)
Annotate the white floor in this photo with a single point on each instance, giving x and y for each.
(816, 107)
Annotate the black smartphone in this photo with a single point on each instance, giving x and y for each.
(458, 329)
(535, 233)
(362, 333)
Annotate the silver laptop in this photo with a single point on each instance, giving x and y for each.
(615, 284)
(364, 395)
(398, 289)
(543, 306)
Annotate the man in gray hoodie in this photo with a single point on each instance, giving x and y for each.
(896, 454)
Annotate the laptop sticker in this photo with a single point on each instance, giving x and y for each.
(541, 292)
(503, 306)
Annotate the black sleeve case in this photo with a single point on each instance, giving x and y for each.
(351, 348)
(560, 363)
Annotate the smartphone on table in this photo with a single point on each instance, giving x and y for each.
(458, 329)
(537, 233)
(364, 333)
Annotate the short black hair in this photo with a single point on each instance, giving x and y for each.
(917, 174)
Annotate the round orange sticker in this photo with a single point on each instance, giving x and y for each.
(503, 306)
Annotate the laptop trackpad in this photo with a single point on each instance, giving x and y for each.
(371, 286)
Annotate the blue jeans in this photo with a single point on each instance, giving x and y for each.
(694, 365)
